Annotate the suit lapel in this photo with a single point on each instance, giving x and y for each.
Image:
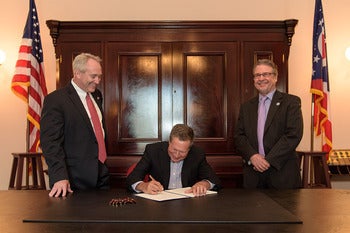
(254, 105)
(165, 164)
(253, 117)
(275, 105)
(185, 170)
(73, 95)
(98, 99)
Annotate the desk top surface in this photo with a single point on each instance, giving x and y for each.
(235, 210)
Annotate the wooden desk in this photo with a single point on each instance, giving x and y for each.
(321, 210)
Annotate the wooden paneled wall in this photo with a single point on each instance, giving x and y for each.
(159, 73)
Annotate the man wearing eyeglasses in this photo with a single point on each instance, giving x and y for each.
(268, 130)
(174, 164)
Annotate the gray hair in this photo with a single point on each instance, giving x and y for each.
(79, 62)
(266, 62)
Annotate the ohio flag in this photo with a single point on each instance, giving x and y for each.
(320, 81)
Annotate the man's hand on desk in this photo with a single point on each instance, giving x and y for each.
(60, 188)
(200, 188)
(151, 187)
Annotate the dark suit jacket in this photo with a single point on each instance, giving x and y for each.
(156, 162)
(68, 141)
(283, 132)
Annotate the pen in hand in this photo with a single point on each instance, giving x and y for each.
(151, 177)
(157, 186)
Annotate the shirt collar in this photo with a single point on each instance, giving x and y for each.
(80, 91)
(269, 95)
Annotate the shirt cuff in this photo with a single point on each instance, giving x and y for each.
(211, 184)
(134, 186)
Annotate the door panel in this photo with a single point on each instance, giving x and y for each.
(205, 95)
(138, 95)
(206, 83)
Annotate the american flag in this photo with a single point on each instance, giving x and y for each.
(28, 82)
(320, 82)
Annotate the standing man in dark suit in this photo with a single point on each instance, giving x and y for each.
(74, 155)
(174, 164)
(275, 164)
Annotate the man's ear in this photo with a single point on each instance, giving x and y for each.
(77, 73)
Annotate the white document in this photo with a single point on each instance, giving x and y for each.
(171, 194)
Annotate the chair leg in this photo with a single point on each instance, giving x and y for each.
(13, 173)
(19, 173)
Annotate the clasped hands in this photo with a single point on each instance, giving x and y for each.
(154, 187)
(259, 163)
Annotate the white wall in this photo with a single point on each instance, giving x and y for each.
(13, 16)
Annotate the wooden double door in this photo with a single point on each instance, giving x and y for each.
(153, 86)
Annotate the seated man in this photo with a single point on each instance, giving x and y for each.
(174, 164)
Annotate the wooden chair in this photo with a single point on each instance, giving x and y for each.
(131, 168)
(36, 171)
(314, 169)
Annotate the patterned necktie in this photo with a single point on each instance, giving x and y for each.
(261, 124)
(102, 155)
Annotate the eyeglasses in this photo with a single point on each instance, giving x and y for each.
(265, 75)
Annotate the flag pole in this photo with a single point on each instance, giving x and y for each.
(312, 124)
(27, 136)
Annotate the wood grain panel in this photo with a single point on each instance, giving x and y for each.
(138, 96)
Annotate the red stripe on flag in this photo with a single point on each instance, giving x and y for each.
(23, 63)
(25, 49)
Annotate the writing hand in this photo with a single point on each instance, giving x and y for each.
(155, 186)
(60, 188)
(151, 187)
